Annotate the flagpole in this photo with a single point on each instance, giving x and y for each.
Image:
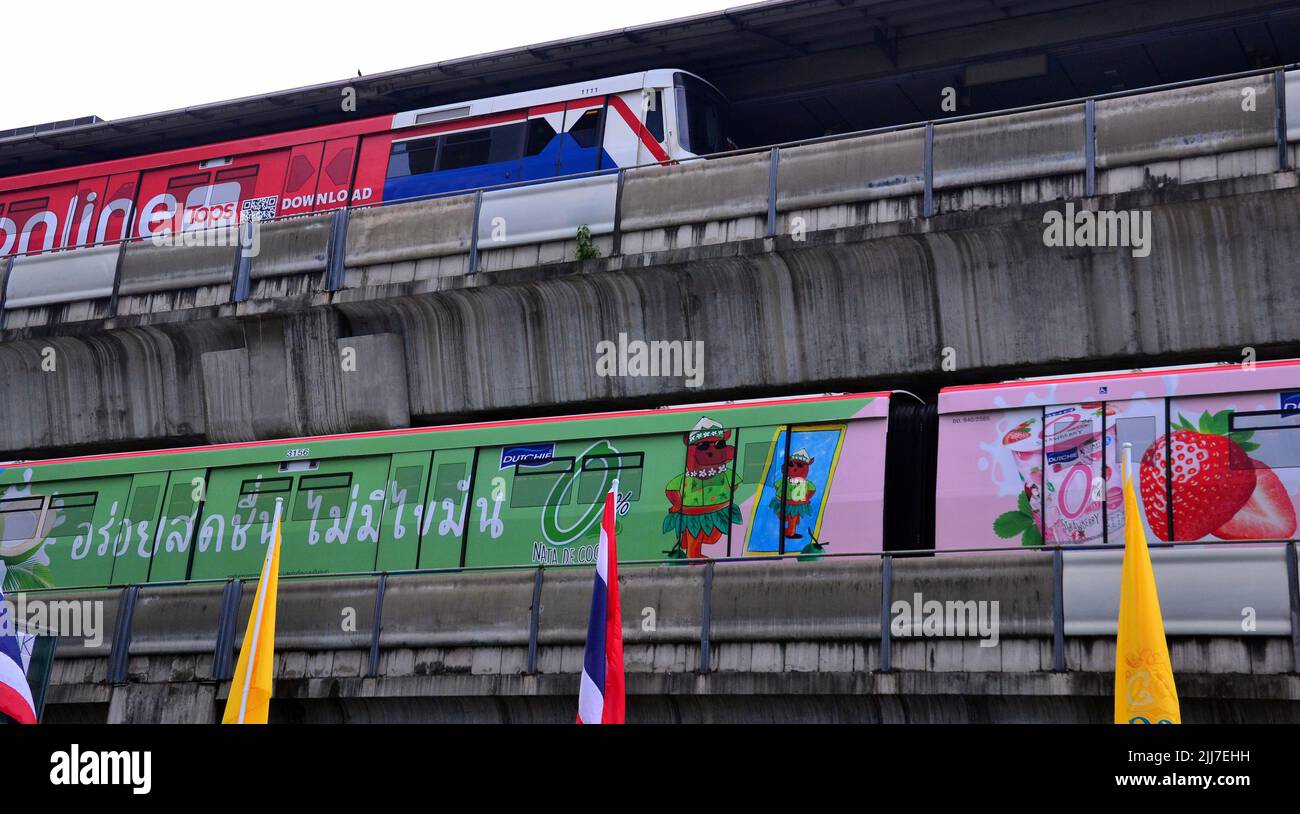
(1128, 459)
(257, 619)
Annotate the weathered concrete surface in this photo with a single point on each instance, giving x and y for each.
(788, 642)
(1221, 276)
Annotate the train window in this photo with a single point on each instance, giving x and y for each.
(533, 484)
(465, 150)
(540, 134)
(143, 505)
(406, 484)
(587, 129)
(1268, 436)
(627, 468)
(701, 116)
(181, 503)
(654, 114)
(187, 181)
(323, 496)
(507, 143)
(755, 458)
(260, 495)
(413, 157)
(235, 173)
(74, 510)
(447, 481)
(1140, 431)
(18, 518)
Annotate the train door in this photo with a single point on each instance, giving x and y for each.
(790, 505)
(298, 195)
(134, 547)
(399, 536)
(1231, 467)
(237, 515)
(1140, 422)
(178, 525)
(542, 142)
(334, 181)
(1074, 505)
(336, 518)
(77, 537)
(624, 135)
(118, 209)
(542, 502)
(580, 143)
(86, 203)
(446, 509)
(701, 505)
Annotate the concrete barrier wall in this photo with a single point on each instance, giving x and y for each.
(177, 619)
(1021, 584)
(797, 601)
(147, 268)
(294, 246)
(457, 609)
(695, 192)
(547, 212)
(1035, 144)
(1202, 591)
(1173, 124)
(410, 231)
(46, 279)
(835, 172)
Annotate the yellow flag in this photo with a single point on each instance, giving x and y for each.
(250, 689)
(1144, 678)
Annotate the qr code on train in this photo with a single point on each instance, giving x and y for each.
(258, 209)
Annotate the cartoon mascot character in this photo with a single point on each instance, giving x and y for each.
(798, 491)
(700, 510)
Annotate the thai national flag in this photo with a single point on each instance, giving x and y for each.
(600, 700)
(15, 694)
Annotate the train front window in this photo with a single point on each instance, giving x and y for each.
(701, 116)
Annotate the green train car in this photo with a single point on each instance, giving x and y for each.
(791, 475)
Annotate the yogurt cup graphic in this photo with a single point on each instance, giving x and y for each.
(1025, 444)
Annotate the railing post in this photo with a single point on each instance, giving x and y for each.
(6, 266)
(1293, 588)
(534, 620)
(337, 251)
(243, 271)
(617, 247)
(223, 666)
(886, 599)
(1090, 148)
(1279, 119)
(706, 621)
(1058, 610)
(772, 171)
(927, 202)
(473, 236)
(117, 657)
(117, 278)
(380, 589)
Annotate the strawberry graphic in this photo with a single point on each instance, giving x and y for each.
(1268, 515)
(1213, 477)
(1018, 433)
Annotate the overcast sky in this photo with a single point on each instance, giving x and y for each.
(113, 60)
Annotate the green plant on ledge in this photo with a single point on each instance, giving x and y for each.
(586, 248)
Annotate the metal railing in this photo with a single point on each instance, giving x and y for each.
(232, 594)
(335, 260)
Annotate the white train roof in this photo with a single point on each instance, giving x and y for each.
(656, 78)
